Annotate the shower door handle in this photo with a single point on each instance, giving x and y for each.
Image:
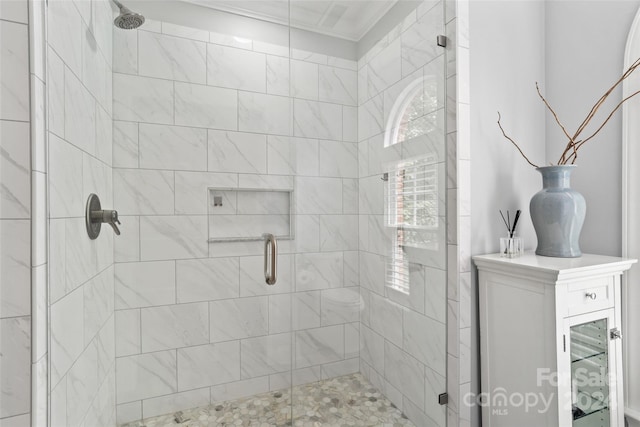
(270, 258)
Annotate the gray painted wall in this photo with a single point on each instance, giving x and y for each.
(585, 42)
(575, 50)
(506, 58)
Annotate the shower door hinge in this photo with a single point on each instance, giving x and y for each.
(441, 40)
(443, 398)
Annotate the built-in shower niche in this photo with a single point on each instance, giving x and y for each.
(245, 214)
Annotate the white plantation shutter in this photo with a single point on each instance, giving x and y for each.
(411, 201)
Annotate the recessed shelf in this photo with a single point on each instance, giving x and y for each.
(245, 214)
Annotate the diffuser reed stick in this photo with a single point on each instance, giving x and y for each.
(511, 228)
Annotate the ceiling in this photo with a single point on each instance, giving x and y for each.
(347, 19)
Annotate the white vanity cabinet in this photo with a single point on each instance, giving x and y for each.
(550, 341)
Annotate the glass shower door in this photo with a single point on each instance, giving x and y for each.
(373, 271)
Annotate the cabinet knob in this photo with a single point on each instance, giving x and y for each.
(591, 295)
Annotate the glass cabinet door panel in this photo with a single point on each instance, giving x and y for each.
(590, 374)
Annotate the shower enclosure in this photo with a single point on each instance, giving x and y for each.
(329, 125)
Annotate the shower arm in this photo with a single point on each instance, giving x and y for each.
(117, 3)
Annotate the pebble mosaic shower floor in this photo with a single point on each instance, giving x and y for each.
(349, 400)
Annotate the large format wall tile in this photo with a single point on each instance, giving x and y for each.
(341, 305)
(208, 365)
(169, 327)
(239, 389)
(318, 195)
(125, 52)
(96, 72)
(125, 144)
(15, 268)
(405, 373)
(304, 80)
(97, 179)
(236, 68)
(82, 385)
(127, 323)
(386, 319)
(372, 348)
(65, 26)
(173, 237)
(319, 271)
(277, 75)
(145, 284)
(370, 118)
(264, 113)
(14, 67)
(67, 332)
(98, 303)
(338, 85)
(237, 152)
(384, 68)
(191, 190)
(55, 93)
(172, 147)
(142, 99)
(146, 375)
(317, 119)
(265, 355)
(425, 339)
(207, 279)
(15, 365)
(319, 346)
(175, 402)
(171, 58)
(338, 159)
(204, 106)
(238, 318)
(65, 179)
(292, 156)
(80, 115)
(185, 32)
(338, 232)
(143, 192)
(16, 11)
(415, 52)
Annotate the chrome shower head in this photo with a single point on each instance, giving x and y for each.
(127, 20)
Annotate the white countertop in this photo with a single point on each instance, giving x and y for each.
(559, 268)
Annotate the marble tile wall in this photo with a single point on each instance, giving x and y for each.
(195, 322)
(402, 118)
(81, 273)
(15, 216)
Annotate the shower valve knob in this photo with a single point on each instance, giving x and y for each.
(96, 216)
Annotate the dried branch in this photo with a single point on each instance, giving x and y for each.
(514, 143)
(581, 143)
(555, 116)
(570, 153)
(603, 98)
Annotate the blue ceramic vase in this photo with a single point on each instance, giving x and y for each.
(557, 213)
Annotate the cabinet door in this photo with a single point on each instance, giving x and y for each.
(588, 392)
